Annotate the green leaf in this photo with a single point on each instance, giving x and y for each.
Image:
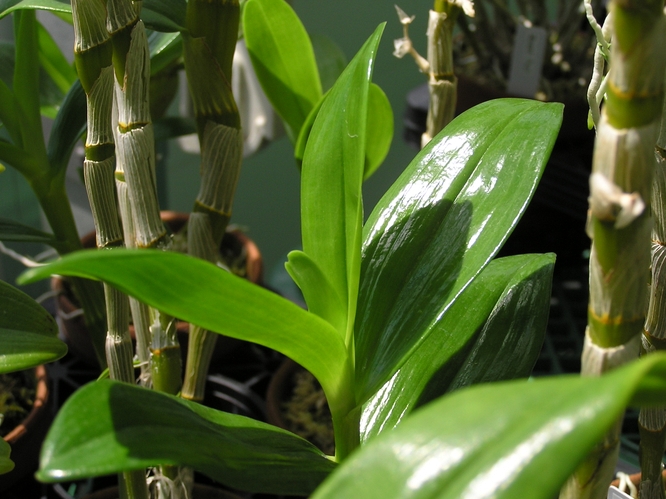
(28, 333)
(25, 83)
(173, 126)
(203, 294)
(332, 175)
(441, 223)
(164, 15)
(501, 440)
(165, 48)
(494, 331)
(6, 464)
(68, 127)
(14, 231)
(379, 130)
(331, 60)
(283, 59)
(24, 349)
(8, 6)
(107, 427)
(320, 296)
(54, 62)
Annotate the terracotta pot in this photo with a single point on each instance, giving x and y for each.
(72, 324)
(26, 439)
(200, 492)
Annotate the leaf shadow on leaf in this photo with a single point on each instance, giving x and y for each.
(406, 255)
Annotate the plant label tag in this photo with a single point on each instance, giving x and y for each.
(615, 493)
(529, 50)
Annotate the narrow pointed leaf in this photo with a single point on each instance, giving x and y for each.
(8, 6)
(441, 223)
(379, 130)
(54, 62)
(6, 464)
(283, 59)
(501, 440)
(28, 333)
(494, 331)
(164, 15)
(332, 175)
(68, 127)
(165, 48)
(318, 293)
(203, 294)
(14, 231)
(107, 427)
(331, 60)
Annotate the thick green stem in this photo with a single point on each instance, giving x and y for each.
(209, 49)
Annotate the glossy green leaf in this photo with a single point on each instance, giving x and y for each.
(283, 59)
(319, 295)
(164, 15)
(14, 231)
(494, 331)
(332, 175)
(28, 333)
(501, 440)
(8, 6)
(6, 464)
(107, 427)
(203, 294)
(23, 349)
(54, 62)
(68, 127)
(165, 48)
(331, 60)
(441, 223)
(379, 130)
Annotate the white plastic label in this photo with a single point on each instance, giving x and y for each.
(615, 493)
(529, 50)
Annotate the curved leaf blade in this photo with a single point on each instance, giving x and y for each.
(164, 15)
(54, 62)
(28, 333)
(321, 298)
(14, 231)
(500, 440)
(379, 130)
(68, 127)
(6, 464)
(494, 331)
(203, 294)
(332, 177)
(283, 59)
(441, 223)
(8, 6)
(107, 427)
(23, 349)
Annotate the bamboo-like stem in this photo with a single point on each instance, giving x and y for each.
(652, 421)
(92, 49)
(619, 218)
(93, 59)
(209, 49)
(442, 82)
